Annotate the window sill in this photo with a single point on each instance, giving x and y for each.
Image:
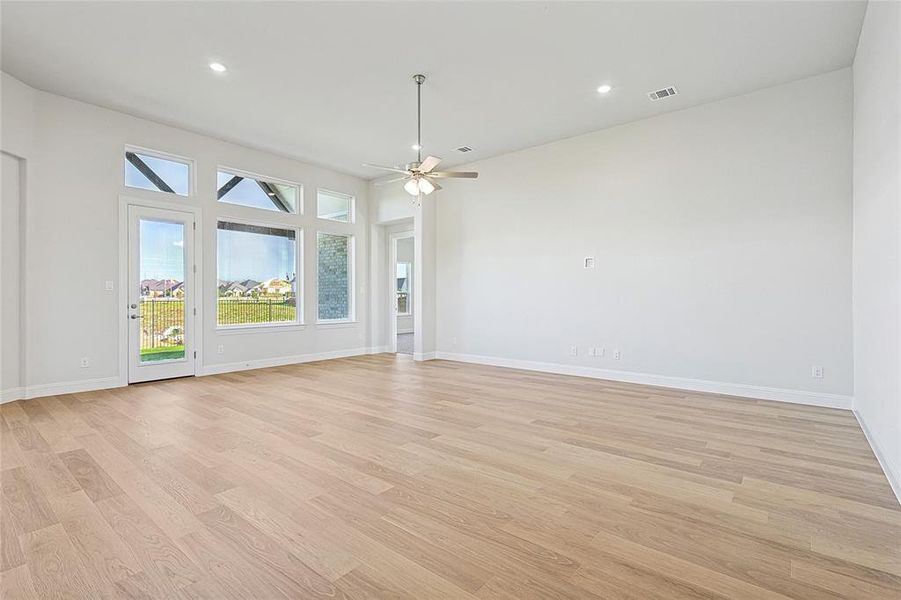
(335, 324)
(259, 328)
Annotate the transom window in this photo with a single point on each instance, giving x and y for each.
(256, 192)
(334, 206)
(157, 172)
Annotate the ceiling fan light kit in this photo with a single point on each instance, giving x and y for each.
(418, 176)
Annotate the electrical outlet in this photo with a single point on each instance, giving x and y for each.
(588, 263)
(85, 362)
(220, 349)
(816, 371)
(617, 355)
(573, 351)
(108, 285)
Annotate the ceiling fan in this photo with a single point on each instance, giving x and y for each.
(419, 175)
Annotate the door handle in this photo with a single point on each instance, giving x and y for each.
(134, 316)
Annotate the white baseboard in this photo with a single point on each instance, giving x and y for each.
(87, 385)
(379, 349)
(399, 331)
(11, 394)
(280, 361)
(425, 355)
(894, 478)
(682, 383)
(57, 389)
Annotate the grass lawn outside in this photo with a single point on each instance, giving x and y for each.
(162, 353)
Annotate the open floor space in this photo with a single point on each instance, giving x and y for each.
(378, 477)
(418, 300)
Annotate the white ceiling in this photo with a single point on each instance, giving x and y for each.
(330, 83)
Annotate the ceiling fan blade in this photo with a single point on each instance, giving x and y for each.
(392, 180)
(395, 169)
(429, 163)
(458, 174)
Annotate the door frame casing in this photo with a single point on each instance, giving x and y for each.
(125, 201)
(392, 288)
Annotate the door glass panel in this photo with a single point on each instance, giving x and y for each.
(162, 313)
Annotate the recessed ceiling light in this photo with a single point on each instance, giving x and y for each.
(218, 67)
(605, 89)
(416, 147)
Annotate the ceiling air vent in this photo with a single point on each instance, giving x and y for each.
(464, 149)
(664, 93)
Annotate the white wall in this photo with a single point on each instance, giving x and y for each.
(16, 142)
(425, 277)
(405, 253)
(10, 238)
(722, 235)
(72, 243)
(877, 223)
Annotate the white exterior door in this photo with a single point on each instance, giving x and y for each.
(161, 302)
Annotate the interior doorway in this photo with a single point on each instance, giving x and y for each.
(400, 269)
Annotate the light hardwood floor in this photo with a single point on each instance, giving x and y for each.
(376, 477)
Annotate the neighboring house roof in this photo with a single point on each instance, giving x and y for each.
(160, 285)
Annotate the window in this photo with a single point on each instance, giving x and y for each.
(250, 190)
(334, 206)
(335, 254)
(157, 172)
(403, 288)
(257, 275)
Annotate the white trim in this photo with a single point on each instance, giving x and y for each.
(894, 479)
(400, 331)
(351, 213)
(379, 349)
(124, 202)
(259, 327)
(57, 389)
(12, 394)
(683, 383)
(264, 363)
(335, 324)
(393, 238)
(427, 356)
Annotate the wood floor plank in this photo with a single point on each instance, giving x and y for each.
(23, 502)
(54, 567)
(380, 477)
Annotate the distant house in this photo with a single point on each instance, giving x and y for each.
(275, 287)
(237, 289)
(162, 288)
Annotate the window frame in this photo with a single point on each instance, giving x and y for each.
(409, 312)
(352, 211)
(298, 210)
(191, 164)
(298, 322)
(351, 278)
